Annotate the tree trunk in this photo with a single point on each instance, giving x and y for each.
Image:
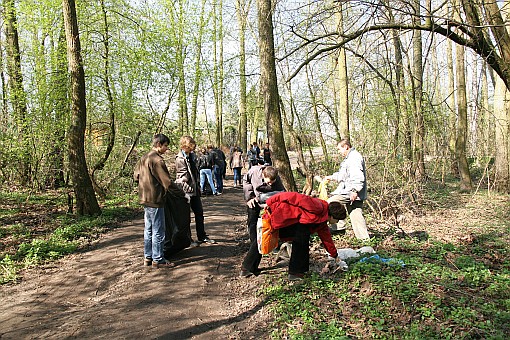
(343, 82)
(462, 125)
(111, 108)
(17, 94)
(419, 128)
(452, 122)
(502, 161)
(269, 91)
(86, 202)
(198, 72)
(242, 15)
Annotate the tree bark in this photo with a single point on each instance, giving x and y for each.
(17, 94)
(462, 124)
(242, 8)
(86, 202)
(343, 82)
(269, 91)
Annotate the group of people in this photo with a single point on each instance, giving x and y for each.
(155, 186)
(295, 215)
(255, 156)
(212, 163)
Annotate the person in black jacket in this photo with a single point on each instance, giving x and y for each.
(205, 166)
(259, 179)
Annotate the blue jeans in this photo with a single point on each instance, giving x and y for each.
(154, 233)
(206, 173)
(237, 176)
(218, 175)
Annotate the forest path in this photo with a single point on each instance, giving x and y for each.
(106, 292)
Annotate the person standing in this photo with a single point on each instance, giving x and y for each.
(205, 166)
(352, 187)
(259, 179)
(266, 153)
(154, 183)
(236, 164)
(187, 178)
(219, 167)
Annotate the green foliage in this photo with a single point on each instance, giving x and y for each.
(446, 290)
(56, 235)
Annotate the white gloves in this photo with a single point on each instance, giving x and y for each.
(187, 197)
(340, 264)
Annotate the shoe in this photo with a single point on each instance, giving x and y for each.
(164, 264)
(340, 232)
(194, 244)
(296, 277)
(218, 193)
(247, 273)
(147, 261)
(207, 240)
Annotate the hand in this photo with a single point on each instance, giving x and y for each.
(187, 197)
(186, 187)
(251, 203)
(340, 264)
(353, 195)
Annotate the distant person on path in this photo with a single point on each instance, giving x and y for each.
(236, 164)
(251, 156)
(352, 187)
(187, 177)
(219, 166)
(205, 166)
(154, 183)
(259, 179)
(266, 152)
(296, 216)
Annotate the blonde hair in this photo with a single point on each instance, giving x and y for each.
(187, 141)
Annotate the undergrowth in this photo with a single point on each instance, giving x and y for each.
(444, 290)
(35, 229)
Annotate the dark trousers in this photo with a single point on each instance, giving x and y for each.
(300, 257)
(198, 211)
(252, 259)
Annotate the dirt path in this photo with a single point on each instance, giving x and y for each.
(105, 292)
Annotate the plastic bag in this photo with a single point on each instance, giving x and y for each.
(323, 190)
(267, 237)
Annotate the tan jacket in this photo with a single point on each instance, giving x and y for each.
(154, 180)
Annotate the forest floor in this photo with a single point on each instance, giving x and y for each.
(106, 292)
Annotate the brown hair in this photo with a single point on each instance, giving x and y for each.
(187, 141)
(337, 211)
(270, 172)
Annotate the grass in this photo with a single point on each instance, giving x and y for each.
(454, 285)
(35, 229)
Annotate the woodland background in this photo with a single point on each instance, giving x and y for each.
(418, 86)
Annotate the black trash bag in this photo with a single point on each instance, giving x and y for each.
(177, 225)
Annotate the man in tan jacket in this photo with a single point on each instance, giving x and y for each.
(154, 183)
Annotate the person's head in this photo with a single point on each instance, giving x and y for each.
(344, 146)
(160, 143)
(187, 144)
(210, 147)
(267, 145)
(254, 144)
(270, 174)
(336, 212)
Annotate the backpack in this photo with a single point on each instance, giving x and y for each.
(204, 162)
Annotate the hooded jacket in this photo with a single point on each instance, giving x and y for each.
(289, 208)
